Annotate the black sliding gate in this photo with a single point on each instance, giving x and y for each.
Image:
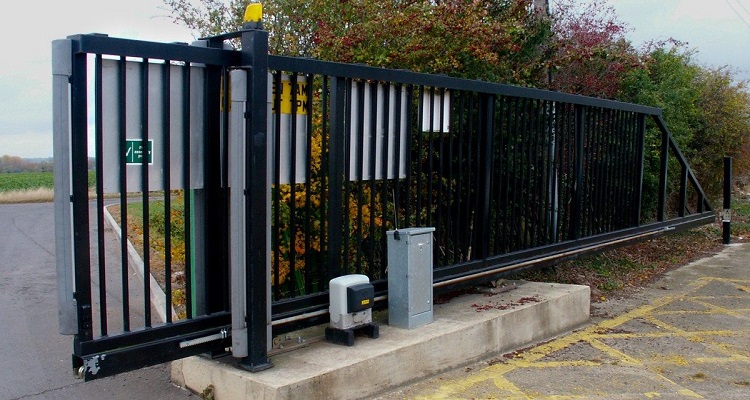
(245, 182)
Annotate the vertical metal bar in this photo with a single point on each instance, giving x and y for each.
(486, 128)
(430, 157)
(510, 145)
(553, 183)
(187, 190)
(167, 165)
(373, 188)
(276, 186)
(600, 138)
(79, 176)
(411, 212)
(553, 130)
(451, 219)
(459, 237)
(324, 188)
(292, 185)
(440, 220)
(528, 128)
(360, 119)
(634, 161)
(498, 172)
(537, 176)
(308, 183)
(622, 194)
(419, 161)
(471, 194)
(122, 130)
(99, 150)
(257, 210)
(336, 155)
(683, 191)
(580, 126)
(640, 143)
(347, 161)
(385, 166)
(513, 225)
(664, 162)
(726, 223)
(145, 197)
(565, 162)
(589, 137)
(612, 166)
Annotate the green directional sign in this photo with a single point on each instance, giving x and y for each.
(134, 152)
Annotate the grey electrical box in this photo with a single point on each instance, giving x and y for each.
(410, 277)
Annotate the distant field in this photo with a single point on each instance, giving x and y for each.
(20, 181)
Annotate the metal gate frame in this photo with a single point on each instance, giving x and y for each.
(238, 186)
(208, 331)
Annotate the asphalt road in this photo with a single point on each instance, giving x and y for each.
(38, 357)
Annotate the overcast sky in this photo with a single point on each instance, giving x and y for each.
(718, 29)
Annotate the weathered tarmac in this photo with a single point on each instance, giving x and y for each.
(685, 336)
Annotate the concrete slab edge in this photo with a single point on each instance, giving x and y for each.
(461, 341)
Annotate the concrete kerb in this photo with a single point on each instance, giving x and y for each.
(467, 329)
(158, 297)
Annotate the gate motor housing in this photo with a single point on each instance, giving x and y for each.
(351, 298)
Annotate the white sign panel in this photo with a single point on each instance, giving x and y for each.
(385, 140)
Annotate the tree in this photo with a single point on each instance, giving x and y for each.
(707, 113)
(592, 55)
(724, 128)
(502, 40)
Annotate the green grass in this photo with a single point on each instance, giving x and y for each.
(741, 218)
(18, 181)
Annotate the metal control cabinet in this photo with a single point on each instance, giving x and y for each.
(410, 277)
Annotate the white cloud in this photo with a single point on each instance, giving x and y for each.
(720, 37)
(26, 76)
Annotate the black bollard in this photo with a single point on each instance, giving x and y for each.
(727, 216)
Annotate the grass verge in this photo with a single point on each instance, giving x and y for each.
(38, 195)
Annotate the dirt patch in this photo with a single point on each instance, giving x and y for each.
(619, 272)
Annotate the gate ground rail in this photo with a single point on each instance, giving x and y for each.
(510, 177)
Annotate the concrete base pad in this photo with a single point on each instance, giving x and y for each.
(466, 329)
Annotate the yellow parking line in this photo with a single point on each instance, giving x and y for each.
(534, 358)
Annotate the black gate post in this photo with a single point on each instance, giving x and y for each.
(257, 277)
(79, 177)
(727, 217)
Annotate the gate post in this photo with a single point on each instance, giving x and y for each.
(727, 217)
(257, 278)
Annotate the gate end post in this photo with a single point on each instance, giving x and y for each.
(257, 205)
(727, 214)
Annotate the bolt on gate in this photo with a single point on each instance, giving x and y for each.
(241, 182)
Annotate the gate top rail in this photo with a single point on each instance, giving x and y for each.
(359, 71)
(103, 44)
